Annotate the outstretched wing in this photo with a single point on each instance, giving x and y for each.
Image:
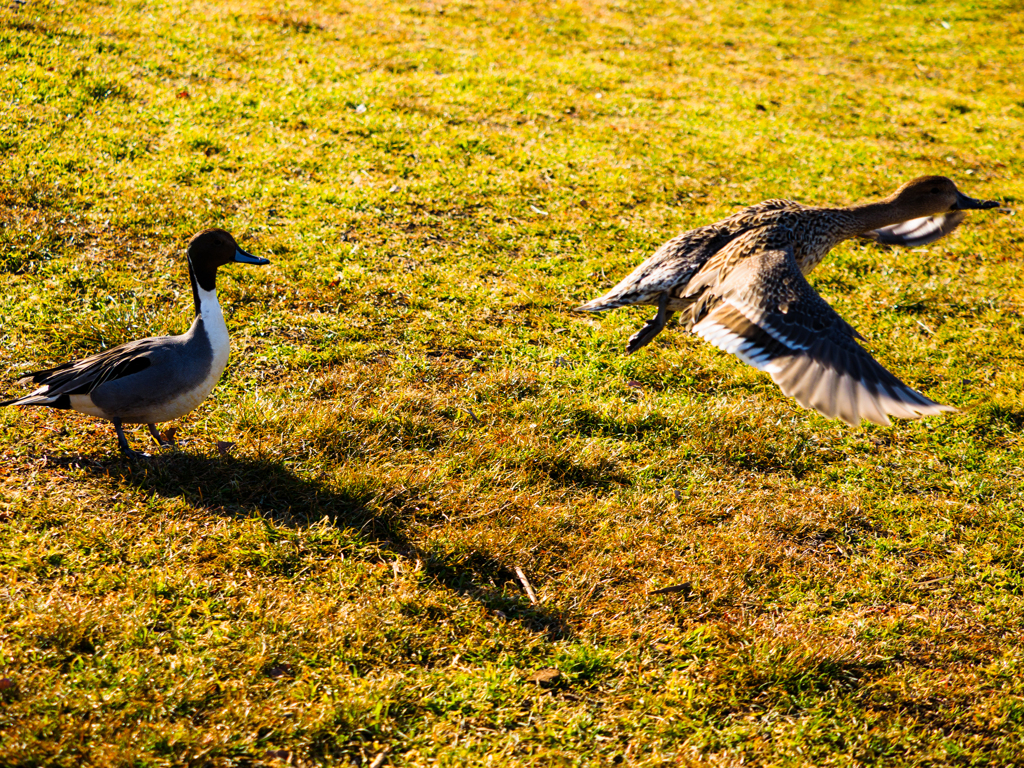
(916, 232)
(80, 377)
(765, 312)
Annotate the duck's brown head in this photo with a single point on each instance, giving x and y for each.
(930, 195)
(215, 248)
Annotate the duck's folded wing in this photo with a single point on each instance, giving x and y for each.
(768, 315)
(916, 232)
(80, 377)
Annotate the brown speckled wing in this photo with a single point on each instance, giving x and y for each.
(766, 313)
(671, 265)
(678, 260)
(682, 257)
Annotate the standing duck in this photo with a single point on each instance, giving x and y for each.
(740, 284)
(156, 379)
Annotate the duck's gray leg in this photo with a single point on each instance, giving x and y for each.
(652, 327)
(164, 443)
(122, 443)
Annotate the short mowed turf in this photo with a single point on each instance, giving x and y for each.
(431, 515)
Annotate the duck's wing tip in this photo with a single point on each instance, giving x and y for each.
(937, 409)
(850, 385)
(39, 397)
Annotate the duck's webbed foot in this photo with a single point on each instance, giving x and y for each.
(165, 440)
(652, 327)
(122, 443)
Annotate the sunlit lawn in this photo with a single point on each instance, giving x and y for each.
(422, 426)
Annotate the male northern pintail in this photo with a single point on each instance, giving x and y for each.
(740, 285)
(156, 379)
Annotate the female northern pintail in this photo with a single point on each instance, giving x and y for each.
(740, 285)
(156, 379)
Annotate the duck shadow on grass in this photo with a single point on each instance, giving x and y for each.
(247, 487)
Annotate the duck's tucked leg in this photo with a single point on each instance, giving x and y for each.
(122, 443)
(165, 442)
(652, 327)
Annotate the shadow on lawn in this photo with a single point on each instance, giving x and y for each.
(244, 487)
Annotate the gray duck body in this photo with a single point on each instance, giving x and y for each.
(146, 381)
(151, 396)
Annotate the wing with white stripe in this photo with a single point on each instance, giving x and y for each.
(915, 232)
(769, 316)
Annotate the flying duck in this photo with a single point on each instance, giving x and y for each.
(740, 284)
(156, 379)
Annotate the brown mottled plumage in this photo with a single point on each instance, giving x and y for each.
(740, 284)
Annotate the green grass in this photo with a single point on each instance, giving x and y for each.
(418, 413)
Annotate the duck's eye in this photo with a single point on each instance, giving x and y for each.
(936, 190)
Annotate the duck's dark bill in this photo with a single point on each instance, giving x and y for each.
(965, 203)
(248, 258)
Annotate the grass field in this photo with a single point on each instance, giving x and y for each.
(422, 425)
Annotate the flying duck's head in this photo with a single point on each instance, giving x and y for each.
(930, 195)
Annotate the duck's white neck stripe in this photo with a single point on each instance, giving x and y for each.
(214, 325)
(209, 307)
